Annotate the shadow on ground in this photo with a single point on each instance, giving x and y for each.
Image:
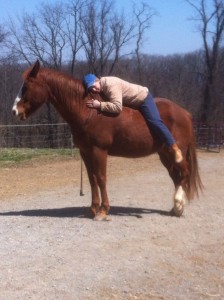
(83, 212)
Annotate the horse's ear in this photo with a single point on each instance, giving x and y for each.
(35, 69)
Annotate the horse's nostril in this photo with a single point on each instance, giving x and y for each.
(15, 111)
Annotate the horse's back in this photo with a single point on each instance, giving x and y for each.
(127, 134)
(176, 118)
(173, 115)
(171, 111)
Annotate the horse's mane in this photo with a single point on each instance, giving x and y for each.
(65, 86)
(71, 87)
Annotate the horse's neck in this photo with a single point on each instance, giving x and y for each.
(67, 98)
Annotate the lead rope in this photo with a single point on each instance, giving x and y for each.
(81, 179)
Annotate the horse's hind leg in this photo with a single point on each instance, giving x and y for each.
(180, 195)
(178, 172)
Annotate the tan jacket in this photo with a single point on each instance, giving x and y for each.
(120, 92)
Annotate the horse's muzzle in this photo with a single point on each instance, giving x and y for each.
(21, 115)
(14, 112)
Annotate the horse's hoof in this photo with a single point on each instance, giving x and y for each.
(93, 211)
(102, 217)
(178, 208)
(179, 202)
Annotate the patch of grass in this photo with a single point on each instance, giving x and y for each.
(12, 156)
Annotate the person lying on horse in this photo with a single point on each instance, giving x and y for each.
(118, 92)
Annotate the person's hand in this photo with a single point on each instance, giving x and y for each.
(93, 103)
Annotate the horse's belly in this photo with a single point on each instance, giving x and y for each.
(127, 147)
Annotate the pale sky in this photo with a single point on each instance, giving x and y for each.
(171, 31)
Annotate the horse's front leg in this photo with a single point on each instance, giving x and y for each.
(99, 163)
(95, 205)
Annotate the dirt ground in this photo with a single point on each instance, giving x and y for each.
(50, 250)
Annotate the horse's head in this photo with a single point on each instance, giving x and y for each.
(32, 94)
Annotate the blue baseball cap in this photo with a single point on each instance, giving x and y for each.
(89, 80)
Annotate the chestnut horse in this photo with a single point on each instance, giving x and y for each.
(98, 135)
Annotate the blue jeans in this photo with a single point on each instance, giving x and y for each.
(151, 114)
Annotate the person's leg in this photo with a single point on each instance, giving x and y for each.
(151, 114)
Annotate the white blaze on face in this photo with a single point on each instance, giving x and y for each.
(18, 98)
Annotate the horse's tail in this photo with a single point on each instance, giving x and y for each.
(194, 183)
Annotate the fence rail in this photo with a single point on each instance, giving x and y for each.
(36, 136)
(208, 136)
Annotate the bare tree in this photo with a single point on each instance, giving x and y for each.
(97, 40)
(3, 36)
(211, 27)
(2, 33)
(58, 33)
(122, 35)
(143, 14)
(105, 33)
(40, 35)
(74, 30)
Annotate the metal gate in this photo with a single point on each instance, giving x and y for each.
(209, 136)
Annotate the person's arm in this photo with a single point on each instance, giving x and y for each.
(111, 87)
(114, 96)
(114, 105)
